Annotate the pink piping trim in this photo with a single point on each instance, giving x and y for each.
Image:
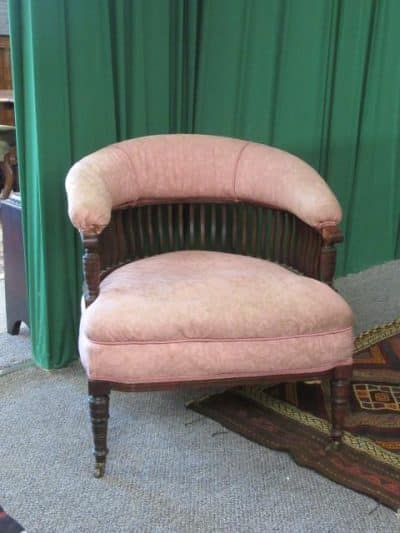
(236, 169)
(239, 339)
(164, 379)
(128, 159)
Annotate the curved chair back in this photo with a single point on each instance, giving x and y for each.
(173, 168)
(165, 193)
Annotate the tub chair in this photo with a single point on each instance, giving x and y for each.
(207, 260)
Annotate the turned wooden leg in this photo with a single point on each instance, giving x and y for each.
(99, 404)
(13, 326)
(340, 397)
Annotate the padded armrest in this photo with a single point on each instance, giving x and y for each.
(186, 167)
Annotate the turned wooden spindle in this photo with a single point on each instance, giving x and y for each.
(99, 414)
(140, 231)
(340, 392)
(330, 236)
(91, 267)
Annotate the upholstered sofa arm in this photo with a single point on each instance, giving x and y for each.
(89, 200)
(167, 168)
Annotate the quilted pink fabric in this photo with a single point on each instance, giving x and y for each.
(169, 167)
(196, 315)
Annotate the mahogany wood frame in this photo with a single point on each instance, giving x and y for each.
(141, 231)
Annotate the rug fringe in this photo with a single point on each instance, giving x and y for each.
(366, 445)
(372, 336)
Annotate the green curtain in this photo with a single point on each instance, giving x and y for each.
(320, 78)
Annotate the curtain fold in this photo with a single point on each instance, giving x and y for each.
(86, 74)
(320, 79)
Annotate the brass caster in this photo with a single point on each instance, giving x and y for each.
(99, 470)
(333, 445)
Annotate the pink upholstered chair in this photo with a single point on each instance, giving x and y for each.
(207, 260)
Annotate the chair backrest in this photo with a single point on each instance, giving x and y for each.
(179, 167)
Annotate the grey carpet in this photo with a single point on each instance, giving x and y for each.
(169, 470)
(373, 294)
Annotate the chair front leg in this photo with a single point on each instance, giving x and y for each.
(99, 396)
(340, 397)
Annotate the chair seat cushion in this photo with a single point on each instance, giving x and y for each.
(197, 315)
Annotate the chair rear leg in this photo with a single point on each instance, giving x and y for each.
(99, 396)
(340, 397)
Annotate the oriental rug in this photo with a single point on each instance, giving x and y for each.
(294, 417)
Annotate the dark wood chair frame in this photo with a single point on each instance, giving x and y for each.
(141, 231)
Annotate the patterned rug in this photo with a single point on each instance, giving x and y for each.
(8, 525)
(295, 418)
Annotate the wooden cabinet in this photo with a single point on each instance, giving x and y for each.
(14, 264)
(6, 114)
